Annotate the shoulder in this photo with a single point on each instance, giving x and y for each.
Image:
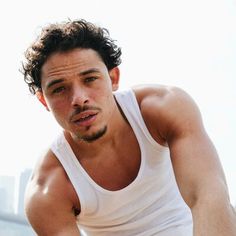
(168, 109)
(48, 192)
(161, 95)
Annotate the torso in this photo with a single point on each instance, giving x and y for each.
(114, 168)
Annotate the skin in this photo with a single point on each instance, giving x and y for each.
(78, 79)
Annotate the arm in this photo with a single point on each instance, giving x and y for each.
(49, 202)
(197, 168)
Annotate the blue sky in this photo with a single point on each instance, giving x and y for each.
(190, 44)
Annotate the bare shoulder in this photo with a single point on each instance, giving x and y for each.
(162, 96)
(50, 197)
(168, 109)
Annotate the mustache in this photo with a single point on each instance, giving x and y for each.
(80, 109)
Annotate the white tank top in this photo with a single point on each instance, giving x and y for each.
(150, 205)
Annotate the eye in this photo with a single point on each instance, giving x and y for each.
(89, 79)
(58, 90)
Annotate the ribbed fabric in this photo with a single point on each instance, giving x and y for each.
(150, 205)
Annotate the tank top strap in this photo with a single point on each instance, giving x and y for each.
(129, 105)
(64, 153)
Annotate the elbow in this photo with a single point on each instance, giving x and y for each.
(214, 205)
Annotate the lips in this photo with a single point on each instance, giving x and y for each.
(87, 117)
(84, 118)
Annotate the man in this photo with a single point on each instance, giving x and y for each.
(133, 162)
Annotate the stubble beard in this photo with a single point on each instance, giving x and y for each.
(94, 136)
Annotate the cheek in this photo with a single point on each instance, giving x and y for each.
(59, 108)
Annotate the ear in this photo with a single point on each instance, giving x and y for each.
(115, 78)
(41, 98)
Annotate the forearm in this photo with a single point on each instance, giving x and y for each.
(213, 218)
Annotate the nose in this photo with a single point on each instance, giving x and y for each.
(79, 97)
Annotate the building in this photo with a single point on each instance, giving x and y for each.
(14, 225)
(12, 219)
(23, 180)
(7, 194)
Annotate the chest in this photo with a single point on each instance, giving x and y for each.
(117, 167)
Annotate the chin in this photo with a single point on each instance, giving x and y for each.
(89, 138)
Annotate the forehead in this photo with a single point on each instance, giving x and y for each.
(73, 61)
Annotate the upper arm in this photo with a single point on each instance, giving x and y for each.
(177, 119)
(197, 167)
(48, 208)
(48, 218)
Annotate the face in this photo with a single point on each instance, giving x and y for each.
(77, 89)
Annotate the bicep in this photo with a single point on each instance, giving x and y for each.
(195, 161)
(48, 217)
(196, 164)
(48, 206)
(171, 114)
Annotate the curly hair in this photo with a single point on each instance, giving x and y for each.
(61, 37)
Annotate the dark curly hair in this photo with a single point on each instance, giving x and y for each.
(61, 37)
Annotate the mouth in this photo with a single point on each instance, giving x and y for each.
(85, 119)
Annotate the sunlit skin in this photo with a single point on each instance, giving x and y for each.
(77, 89)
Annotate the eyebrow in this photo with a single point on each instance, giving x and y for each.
(50, 84)
(83, 73)
(92, 70)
